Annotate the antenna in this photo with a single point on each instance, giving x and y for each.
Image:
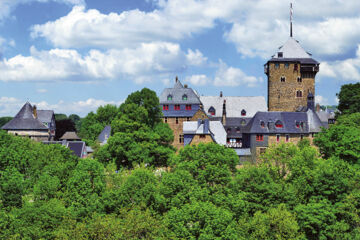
(291, 18)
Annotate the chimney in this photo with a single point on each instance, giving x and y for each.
(34, 111)
(310, 101)
(185, 86)
(223, 120)
(206, 125)
(221, 94)
(317, 107)
(176, 79)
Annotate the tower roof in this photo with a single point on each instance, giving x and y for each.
(292, 49)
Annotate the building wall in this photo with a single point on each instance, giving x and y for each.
(200, 114)
(32, 134)
(282, 95)
(196, 140)
(177, 129)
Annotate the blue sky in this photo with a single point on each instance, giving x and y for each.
(75, 55)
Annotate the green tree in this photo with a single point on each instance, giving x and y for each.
(349, 98)
(4, 120)
(11, 187)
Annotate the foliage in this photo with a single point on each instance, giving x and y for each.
(4, 120)
(63, 126)
(11, 187)
(349, 98)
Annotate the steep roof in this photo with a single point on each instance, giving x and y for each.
(105, 134)
(234, 105)
(177, 93)
(314, 121)
(45, 115)
(216, 130)
(25, 120)
(293, 51)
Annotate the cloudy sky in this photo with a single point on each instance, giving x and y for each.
(75, 55)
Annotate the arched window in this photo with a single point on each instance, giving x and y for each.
(211, 111)
(297, 124)
(299, 79)
(278, 124)
(243, 112)
(243, 122)
(184, 97)
(169, 97)
(282, 79)
(262, 124)
(298, 93)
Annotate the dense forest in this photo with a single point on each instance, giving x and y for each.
(138, 187)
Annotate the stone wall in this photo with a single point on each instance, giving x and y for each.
(38, 136)
(282, 95)
(198, 139)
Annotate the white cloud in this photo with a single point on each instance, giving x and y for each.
(232, 77)
(9, 106)
(140, 64)
(195, 58)
(7, 6)
(321, 100)
(41, 90)
(198, 80)
(325, 27)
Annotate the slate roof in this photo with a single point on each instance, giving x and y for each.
(45, 115)
(25, 120)
(177, 93)
(311, 122)
(292, 51)
(77, 147)
(216, 130)
(105, 134)
(70, 136)
(234, 105)
(179, 113)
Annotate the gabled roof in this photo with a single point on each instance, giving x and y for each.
(177, 93)
(45, 115)
(105, 134)
(314, 121)
(70, 136)
(78, 148)
(25, 120)
(234, 105)
(216, 130)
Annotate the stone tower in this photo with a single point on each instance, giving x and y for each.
(291, 76)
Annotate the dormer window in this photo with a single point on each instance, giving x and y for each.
(184, 97)
(299, 93)
(262, 124)
(211, 111)
(299, 79)
(282, 79)
(279, 124)
(280, 54)
(243, 122)
(237, 130)
(169, 97)
(243, 112)
(297, 124)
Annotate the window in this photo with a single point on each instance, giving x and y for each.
(243, 112)
(277, 65)
(259, 137)
(202, 136)
(243, 122)
(295, 67)
(301, 124)
(262, 124)
(188, 107)
(298, 93)
(177, 120)
(278, 124)
(301, 137)
(282, 79)
(181, 138)
(312, 135)
(169, 97)
(237, 130)
(280, 54)
(184, 97)
(165, 107)
(188, 119)
(211, 111)
(287, 138)
(297, 124)
(286, 65)
(262, 150)
(299, 79)
(176, 107)
(165, 119)
(277, 137)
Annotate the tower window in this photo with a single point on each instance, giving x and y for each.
(286, 65)
(181, 138)
(282, 79)
(299, 79)
(184, 97)
(243, 112)
(299, 93)
(277, 65)
(169, 97)
(280, 54)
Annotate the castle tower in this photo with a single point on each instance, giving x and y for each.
(291, 76)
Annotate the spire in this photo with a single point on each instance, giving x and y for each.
(291, 18)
